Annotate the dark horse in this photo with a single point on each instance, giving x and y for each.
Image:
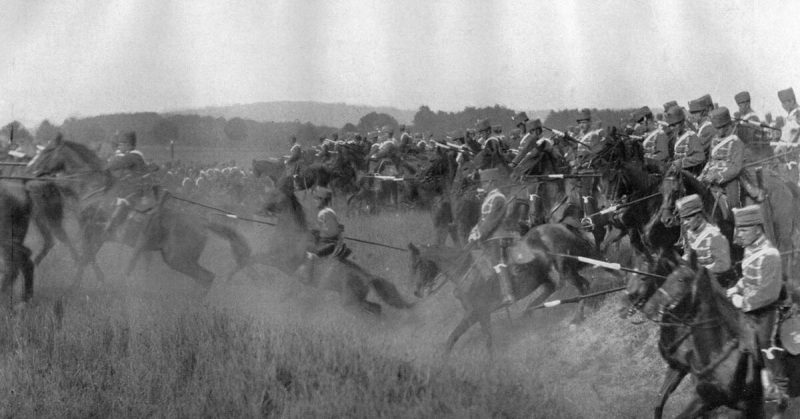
(15, 216)
(288, 251)
(476, 288)
(179, 235)
(726, 371)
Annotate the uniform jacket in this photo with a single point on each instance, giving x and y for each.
(493, 212)
(706, 132)
(726, 160)
(712, 248)
(592, 144)
(762, 275)
(295, 153)
(689, 151)
(656, 145)
(127, 164)
(750, 116)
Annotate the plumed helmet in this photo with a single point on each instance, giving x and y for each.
(483, 125)
(584, 115)
(748, 216)
(742, 97)
(689, 205)
(720, 117)
(534, 124)
(675, 115)
(129, 138)
(323, 193)
(786, 95)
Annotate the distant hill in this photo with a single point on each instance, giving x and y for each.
(317, 113)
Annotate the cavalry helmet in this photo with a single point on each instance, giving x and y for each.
(742, 97)
(748, 216)
(720, 117)
(689, 205)
(786, 95)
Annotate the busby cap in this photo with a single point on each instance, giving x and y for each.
(129, 138)
(534, 124)
(521, 118)
(720, 117)
(689, 205)
(670, 104)
(675, 115)
(748, 216)
(742, 97)
(483, 125)
(641, 113)
(323, 193)
(786, 95)
(584, 115)
(706, 100)
(489, 175)
(696, 106)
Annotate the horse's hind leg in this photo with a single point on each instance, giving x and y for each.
(190, 267)
(582, 285)
(355, 294)
(486, 324)
(22, 259)
(47, 239)
(548, 288)
(467, 322)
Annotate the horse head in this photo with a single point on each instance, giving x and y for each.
(640, 288)
(674, 290)
(281, 202)
(423, 270)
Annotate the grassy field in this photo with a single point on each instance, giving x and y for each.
(157, 347)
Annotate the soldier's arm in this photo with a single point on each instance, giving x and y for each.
(490, 221)
(694, 154)
(769, 288)
(735, 162)
(661, 152)
(720, 254)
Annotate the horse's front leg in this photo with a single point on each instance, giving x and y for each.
(467, 322)
(672, 378)
(697, 408)
(579, 282)
(486, 324)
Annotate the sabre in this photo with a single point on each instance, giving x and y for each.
(566, 136)
(556, 303)
(607, 265)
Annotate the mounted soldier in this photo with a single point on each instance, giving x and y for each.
(590, 138)
(705, 239)
(700, 115)
(127, 165)
(745, 111)
(496, 230)
(405, 143)
(725, 167)
(759, 294)
(328, 238)
(292, 160)
(688, 153)
(655, 143)
(790, 132)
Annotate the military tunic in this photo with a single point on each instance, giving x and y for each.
(591, 144)
(688, 151)
(762, 275)
(750, 116)
(706, 132)
(726, 160)
(711, 247)
(493, 212)
(656, 146)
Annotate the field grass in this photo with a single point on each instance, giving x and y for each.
(157, 347)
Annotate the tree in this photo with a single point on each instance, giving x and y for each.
(46, 132)
(374, 120)
(236, 129)
(165, 131)
(15, 131)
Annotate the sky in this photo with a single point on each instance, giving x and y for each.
(80, 58)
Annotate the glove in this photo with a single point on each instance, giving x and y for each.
(474, 235)
(737, 300)
(731, 292)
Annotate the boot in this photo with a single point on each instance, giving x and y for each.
(752, 190)
(505, 284)
(305, 272)
(774, 380)
(116, 218)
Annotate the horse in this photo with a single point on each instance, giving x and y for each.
(545, 196)
(15, 215)
(178, 235)
(288, 252)
(725, 368)
(476, 288)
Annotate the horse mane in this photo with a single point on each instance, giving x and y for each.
(719, 301)
(86, 154)
(638, 178)
(693, 185)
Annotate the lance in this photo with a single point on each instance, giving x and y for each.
(566, 136)
(756, 124)
(607, 265)
(577, 299)
(41, 178)
(563, 176)
(773, 157)
(13, 163)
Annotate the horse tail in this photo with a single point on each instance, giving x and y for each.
(388, 293)
(239, 246)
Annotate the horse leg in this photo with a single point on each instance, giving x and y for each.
(671, 381)
(485, 321)
(187, 265)
(582, 284)
(22, 261)
(696, 408)
(47, 239)
(467, 322)
(548, 288)
(355, 294)
(61, 235)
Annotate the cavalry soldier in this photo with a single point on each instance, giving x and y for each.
(758, 294)
(700, 111)
(670, 104)
(791, 127)
(745, 111)
(705, 239)
(327, 235)
(292, 161)
(529, 142)
(493, 232)
(385, 153)
(405, 142)
(128, 166)
(688, 153)
(325, 148)
(590, 139)
(483, 129)
(724, 167)
(656, 142)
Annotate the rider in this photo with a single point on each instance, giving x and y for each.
(745, 111)
(292, 161)
(704, 238)
(700, 114)
(758, 294)
(327, 235)
(656, 142)
(493, 233)
(688, 152)
(128, 166)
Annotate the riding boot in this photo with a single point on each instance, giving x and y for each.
(305, 272)
(774, 379)
(117, 216)
(505, 284)
(752, 190)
